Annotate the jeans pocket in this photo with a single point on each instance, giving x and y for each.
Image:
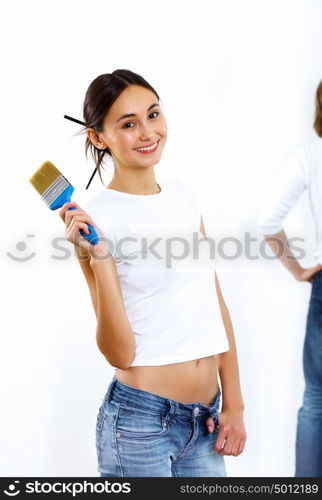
(136, 423)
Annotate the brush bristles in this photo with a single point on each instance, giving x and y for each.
(46, 174)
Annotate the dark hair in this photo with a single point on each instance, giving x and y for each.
(318, 110)
(99, 97)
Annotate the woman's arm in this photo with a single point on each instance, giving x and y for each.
(230, 419)
(84, 261)
(114, 334)
(232, 436)
(293, 180)
(227, 361)
(279, 244)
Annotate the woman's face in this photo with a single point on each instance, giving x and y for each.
(123, 135)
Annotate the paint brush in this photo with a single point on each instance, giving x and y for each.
(55, 190)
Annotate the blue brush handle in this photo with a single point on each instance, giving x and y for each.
(92, 236)
(64, 197)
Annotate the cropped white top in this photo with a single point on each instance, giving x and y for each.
(167, 278)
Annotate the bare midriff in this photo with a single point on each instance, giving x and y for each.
(187, 382)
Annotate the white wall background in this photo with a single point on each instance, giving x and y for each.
(237, 82)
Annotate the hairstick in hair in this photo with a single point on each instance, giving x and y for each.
(74, 120)
(81, 123)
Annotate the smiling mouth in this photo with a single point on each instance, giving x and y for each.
(148, 149)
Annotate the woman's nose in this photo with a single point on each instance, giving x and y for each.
(146, 132)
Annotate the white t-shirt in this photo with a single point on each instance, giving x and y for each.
(303, 170)
(171, 302)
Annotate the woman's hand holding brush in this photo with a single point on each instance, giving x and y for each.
(77, 219)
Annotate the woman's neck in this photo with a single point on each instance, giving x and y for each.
(135, 185)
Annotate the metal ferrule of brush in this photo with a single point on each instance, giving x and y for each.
(57, 189)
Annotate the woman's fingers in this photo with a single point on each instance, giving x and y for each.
(241, 446)
(65, 208)
(232, 436)
(221, 438)
(226, 449)
(78, 215)
(228, 444)
(234, 449)
(76, 220)
(316, 270)
(66, 214)
(83, 226)
(74, 230)
(79, 219)
(209, 423)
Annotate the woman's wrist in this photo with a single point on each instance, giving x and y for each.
(296, 270)
(81, 253)
(237, 408)
(100, 252)
(100, 258)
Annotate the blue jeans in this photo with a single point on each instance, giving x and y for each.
(140, 434)
(309, 418)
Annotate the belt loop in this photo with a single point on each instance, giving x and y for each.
(172, 407)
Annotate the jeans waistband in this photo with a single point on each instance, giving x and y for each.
(146, 400)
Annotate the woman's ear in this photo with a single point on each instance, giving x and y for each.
(95, 139)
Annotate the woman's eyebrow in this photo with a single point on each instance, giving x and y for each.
(127, 115)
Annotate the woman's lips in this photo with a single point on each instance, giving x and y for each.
(151, 150)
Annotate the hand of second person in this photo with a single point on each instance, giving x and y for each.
(308, 274)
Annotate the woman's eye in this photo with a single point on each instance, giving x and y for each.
(127, 123)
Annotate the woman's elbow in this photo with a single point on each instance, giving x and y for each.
(121, 366)
(121, 355)
(118, 362)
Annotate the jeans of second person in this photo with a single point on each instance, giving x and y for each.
(141, 434)
(309, 419)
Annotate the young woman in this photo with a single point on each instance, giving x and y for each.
(160, 322)
(303, 171)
